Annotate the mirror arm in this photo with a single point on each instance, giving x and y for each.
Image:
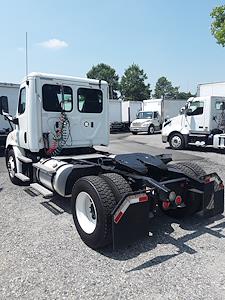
(10, 119)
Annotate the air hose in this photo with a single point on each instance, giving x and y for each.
(60, 136)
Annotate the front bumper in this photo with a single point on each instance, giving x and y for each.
(164, 139)
(139, 129)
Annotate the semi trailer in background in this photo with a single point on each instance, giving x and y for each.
(10, 90)
(211, 89)
(122, 113)
(154, 113)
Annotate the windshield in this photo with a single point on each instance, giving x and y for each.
(145, 115)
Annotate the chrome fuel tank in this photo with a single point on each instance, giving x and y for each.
(56, 179)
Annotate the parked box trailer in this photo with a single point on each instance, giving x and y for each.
(10, 90)
(122, 113)
(211, 89)
(115, 114)
(130, 110)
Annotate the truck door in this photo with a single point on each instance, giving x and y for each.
(21, 128)
(195, 117)
(156, 120)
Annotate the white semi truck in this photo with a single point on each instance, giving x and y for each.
(59, 121)
(154, 113)
(11, 90)
(202, 124)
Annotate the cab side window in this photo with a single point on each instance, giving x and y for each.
(155, 114)
(22, 101)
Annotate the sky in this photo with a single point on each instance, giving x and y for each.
(169, 38)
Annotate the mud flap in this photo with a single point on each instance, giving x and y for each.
(213, 199)
(130, 220)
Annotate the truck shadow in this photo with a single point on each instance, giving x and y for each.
(161, 228)
(201, 149)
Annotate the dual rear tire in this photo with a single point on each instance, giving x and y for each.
(93, 200)
(192, 206)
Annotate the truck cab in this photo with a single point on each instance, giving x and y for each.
(201, 121)
(52, 107)
(146, 121)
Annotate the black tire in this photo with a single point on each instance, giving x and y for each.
(11, 167)
(104, 201)
(176, 141)
(193, 170)
(134, 133)
(118, 185)
(151, 129)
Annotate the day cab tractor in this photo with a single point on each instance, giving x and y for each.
(59, 122)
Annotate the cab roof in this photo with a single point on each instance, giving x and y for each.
(63, 77)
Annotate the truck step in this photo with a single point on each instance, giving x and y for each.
(43, 168)
(42, 190)
(22, 177)
(24, 159)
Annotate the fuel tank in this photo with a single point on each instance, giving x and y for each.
(55, 175)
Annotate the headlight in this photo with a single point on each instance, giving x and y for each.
(145, 124)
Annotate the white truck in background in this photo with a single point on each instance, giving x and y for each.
(122, 113)
(201, 124)
(154, 113)
(11, 91)
(211, 89)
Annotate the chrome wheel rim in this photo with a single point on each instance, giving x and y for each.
(176, 141)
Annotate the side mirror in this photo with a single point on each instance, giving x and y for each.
(182, 110)
(188, 112)
(4, 107)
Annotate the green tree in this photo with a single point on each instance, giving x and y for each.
(184, 95)
(164, 89)
(107, 73)
(218, 24)
(132, 85)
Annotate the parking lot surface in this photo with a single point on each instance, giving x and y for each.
(42, 256)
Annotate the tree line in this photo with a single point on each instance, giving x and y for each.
(132, 84)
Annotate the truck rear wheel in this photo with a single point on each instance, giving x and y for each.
(177, 141)
(92, 203)
(11, 167)
(118, 185)
(192, 205)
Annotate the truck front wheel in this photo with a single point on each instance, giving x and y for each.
(92, 203)
(177, 141)
(11, 167)
(151, 129)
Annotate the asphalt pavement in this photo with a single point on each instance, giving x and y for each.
(42, 256)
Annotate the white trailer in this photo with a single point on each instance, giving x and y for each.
(201, 124)
(115, 114)
(58, 122)
(130, 110)
(11, 91)
(154, 113)
(211, 89)
(122, 113)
